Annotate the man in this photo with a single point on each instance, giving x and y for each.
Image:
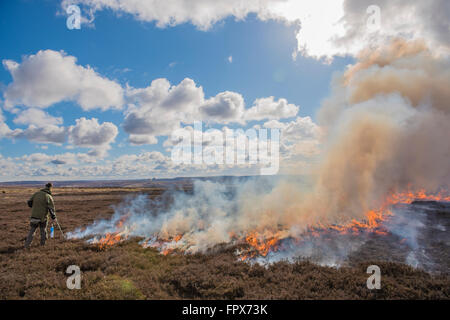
(41, 203)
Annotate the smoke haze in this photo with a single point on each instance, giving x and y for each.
(387, 129)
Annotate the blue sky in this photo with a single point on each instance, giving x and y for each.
(133, 53)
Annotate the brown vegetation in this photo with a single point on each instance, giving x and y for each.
(128, 271)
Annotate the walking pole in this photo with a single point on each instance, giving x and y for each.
(56, 220)
(57, 223)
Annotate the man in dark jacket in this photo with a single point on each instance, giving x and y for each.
(41, 203)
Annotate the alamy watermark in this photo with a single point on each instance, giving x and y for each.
(373, 22)
(74, 17)
(227, 147)
(74, 280)
(374, 281)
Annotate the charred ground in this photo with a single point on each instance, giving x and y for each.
(127, 271)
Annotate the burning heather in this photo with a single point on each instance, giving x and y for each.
(386, 143)
(188, 227)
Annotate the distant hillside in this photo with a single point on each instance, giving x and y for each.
(142, 183)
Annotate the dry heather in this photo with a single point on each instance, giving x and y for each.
(127, 271)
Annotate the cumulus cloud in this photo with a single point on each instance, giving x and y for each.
(158, 109)
(49, 77)
(155, 157)
(2, 117)
(300, 139)
(86, 133)
(201, 13)
(77, 165)
(142, 139)
(37, 117)
(225, 107)
(48, 134)
(268, 108)
(80, 165)
(301, 127)
(35, 158)
(89, 133)
(4, 128)
(161, 108)
(42, 129)
(184, 97)
(59, 159)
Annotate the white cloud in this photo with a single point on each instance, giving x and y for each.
(59, 159)
(230, 59)
(201, 13)
(156, 110)
(49, 77)
(300, 128)
(99, 152)
(48, 134)
(37, 117)
(35, 157)
(4, 128)
(86, 133)
(89, 133)
(79, 165)
(43, 128)
(300, 139)
(225, 107)
(268, 108)
(152, 156)
(161, 108)
(142, 139)
(2, 117)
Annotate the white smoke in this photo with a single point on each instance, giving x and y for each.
(211, 215)
(387, 125)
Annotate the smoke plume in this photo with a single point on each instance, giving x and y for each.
(387, 125)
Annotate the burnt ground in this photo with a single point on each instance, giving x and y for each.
(127, 271)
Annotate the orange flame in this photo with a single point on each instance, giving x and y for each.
(262, 246)
(372, 223)
(261, 243)
(110, 239)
